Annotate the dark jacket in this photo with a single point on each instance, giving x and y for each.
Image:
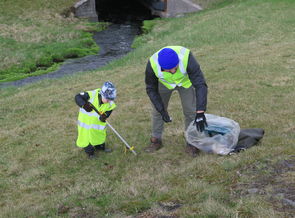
(195, 75)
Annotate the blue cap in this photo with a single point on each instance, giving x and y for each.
(168, 58)
(108, 91)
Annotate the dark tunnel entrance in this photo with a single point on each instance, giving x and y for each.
(122, 11)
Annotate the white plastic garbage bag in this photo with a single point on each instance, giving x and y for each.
(220, 137)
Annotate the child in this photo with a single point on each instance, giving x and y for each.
(91, 126)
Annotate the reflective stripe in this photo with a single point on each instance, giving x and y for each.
(90, 114)
(93, 96)
(181, 56)
(173, 85)
(160, 73)
(91, 126)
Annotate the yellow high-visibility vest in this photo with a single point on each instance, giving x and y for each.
(90, 129)
(180, 77)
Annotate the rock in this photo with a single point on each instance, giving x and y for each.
(253, 190)
(280, 195)
(287, 201)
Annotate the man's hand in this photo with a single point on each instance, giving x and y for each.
(166, 117)
(200, 121)
(87, 107)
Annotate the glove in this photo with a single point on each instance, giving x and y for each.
(87, 107)
(102, 117)
(200, 122)
(166, 117)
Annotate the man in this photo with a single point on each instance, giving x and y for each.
(91, 126)
(175, 68)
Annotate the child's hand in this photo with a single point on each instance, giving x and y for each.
(103, 117)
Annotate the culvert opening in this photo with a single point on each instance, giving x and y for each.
(119, 11)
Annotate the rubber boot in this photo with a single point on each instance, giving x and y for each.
(89, 150)
(102, 147)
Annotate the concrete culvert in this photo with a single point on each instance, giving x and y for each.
(117, 10)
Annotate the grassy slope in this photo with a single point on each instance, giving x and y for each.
(246, 50)
(205, 4)
(34, 35)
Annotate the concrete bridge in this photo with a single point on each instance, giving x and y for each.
(161, 8)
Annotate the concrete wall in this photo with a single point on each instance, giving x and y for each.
(157, 5)
(176, 7)
(162, 8)
(86, 9)
(170, 8)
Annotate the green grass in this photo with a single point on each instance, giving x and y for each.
(246, 50)
(35, 36)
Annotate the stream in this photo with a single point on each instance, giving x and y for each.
(114, 42)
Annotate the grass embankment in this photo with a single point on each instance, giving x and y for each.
(246, 50)
(35, 36)
(207, 4)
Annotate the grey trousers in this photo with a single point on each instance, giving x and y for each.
(188, 102)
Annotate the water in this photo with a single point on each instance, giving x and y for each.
(114, 42)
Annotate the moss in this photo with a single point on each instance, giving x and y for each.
(49, 56)
(147, 27)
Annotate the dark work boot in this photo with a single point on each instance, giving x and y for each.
(191, 150)
(155, 145)
(89, 150)
(102, 147)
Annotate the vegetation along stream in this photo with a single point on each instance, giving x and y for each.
(114, 42)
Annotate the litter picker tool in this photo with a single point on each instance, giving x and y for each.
(115, 131)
